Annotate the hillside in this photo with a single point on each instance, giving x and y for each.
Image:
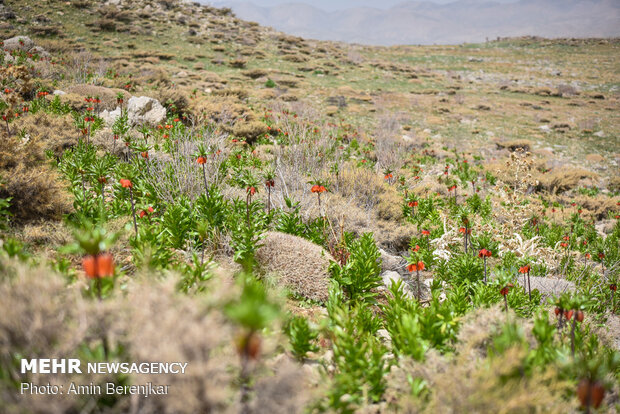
(311, 226)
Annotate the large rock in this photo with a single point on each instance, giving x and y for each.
(296, 263)
(23, 43)
(144, 110)
(390, 277)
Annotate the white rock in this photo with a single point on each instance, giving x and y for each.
(59, 92)
(109, 117)
(599, 134)
(18, 43)
(544, 128)
(144, 110)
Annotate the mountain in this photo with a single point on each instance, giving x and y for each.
(425, 22)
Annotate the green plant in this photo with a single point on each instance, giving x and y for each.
(302, 336)
(360, 276)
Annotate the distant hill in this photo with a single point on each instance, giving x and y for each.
(416, 22)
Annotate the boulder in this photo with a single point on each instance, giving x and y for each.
(143, 110)
(23, 43)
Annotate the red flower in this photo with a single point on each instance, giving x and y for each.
(579, 316)
(201, 160)
(613, 287)
(318, 189)
(413, 204)
(524, 269)
(416, 248)
(388, 176)
(601, 256)
(144, 154)
(426, 233)
(252, 190)
(564, 245)
(568, 314)
(126, 183)
(98, 266)
(269, 183)
(414, 267)
(485, 253)
(588, 255)
(504, 291)
(567, 238)
(463, 230)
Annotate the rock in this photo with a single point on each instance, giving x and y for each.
(144, 110)
(544, 128)
(23, 43)
(390, 277)
(599, 134)
(59, 92)
(388, 261)
(109, 117)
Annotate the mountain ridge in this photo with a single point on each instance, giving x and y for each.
(424, 22)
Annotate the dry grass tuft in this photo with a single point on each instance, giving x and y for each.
(564, 179)
(296, 263)
(35, 188)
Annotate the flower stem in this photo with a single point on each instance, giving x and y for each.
(133, 210)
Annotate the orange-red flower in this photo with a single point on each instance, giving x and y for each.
(414, 267)
(485, 253)
(126, 183)
(426, 233)
(318, 189)
(251, 190)
(524, 269)
(101, 265)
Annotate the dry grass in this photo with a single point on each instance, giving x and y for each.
(296, 264)
(35, 188)
(152, 322)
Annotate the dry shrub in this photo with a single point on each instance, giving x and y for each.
(36, 193)
(48, 234)
(183, 330)
(286, 391)
(35, 188)
(149, 321)
(81, 91)
(255, 73)
(566, 178)
(178, 97)
(51, 132)
(296, 263)
(55, 324)
(514, 145)
(249, 130)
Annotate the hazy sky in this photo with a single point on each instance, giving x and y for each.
(329, 5)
